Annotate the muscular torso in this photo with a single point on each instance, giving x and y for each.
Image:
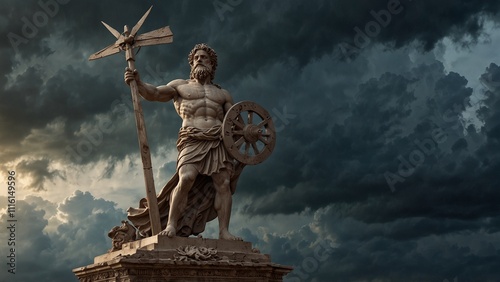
(200, 106)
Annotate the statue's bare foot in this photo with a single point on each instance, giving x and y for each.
(169, 231)
(228, 236)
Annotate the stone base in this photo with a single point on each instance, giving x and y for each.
(159, 258)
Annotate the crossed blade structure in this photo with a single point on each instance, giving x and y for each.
(159, 36)
(127, 41)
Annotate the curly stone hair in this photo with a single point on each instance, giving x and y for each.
(211, 54)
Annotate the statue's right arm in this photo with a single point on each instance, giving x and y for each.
(163, 93)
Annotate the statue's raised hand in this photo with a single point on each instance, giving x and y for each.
(131, 75)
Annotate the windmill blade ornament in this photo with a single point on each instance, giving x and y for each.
(127, 41)
(159, 36)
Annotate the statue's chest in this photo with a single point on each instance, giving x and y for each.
(201, 92)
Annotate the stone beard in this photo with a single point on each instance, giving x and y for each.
(200, 72)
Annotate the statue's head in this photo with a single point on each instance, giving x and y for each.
(201, 70)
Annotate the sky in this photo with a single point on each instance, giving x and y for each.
(387, 116)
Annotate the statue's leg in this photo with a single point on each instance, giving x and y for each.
(179, 197)
(223, 203)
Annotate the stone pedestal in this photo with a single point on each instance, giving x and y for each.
(159, 258)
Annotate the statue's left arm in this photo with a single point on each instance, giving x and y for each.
(238, 166)
(228, 103)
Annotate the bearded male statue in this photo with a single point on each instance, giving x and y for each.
(205, 177)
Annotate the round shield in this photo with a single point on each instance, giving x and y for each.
(248, 133)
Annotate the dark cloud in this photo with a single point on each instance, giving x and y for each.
(49, 256)
(377, 148)
(390, 118)
(311, 28)
(489, 113)
(39, 172)
(442, 208)
(409, 258)
(298, 32)
(307, 31)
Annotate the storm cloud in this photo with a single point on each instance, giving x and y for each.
(387, 118)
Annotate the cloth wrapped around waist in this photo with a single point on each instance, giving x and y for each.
(205, 150)
(202, 148)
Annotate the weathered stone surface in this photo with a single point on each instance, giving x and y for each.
(216, 141)
(160, 258)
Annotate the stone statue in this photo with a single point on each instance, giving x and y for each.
(216, 141)
(210, 145)
(201, 105)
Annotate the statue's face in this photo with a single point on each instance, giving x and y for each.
(201, 57)
(202, 66)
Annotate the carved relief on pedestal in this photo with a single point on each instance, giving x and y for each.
(121, 235)
(194, 253)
